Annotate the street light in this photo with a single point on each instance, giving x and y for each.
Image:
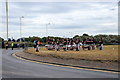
(47, 29)
(7, 18)
(47, 32)
(70, 33)
(20, 26)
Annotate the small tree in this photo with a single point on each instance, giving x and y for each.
(85, 34)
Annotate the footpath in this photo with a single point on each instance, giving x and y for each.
(98, 65)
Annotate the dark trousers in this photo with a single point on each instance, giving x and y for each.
(12, 48)
(37, 48)
(77, 47)
(6, 47)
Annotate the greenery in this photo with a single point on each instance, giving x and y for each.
(107, 39)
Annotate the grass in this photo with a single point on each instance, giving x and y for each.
(109, 53)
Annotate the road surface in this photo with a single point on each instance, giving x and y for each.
(16, 68)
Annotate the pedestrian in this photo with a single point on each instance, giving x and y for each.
(88, 43)
(12, 45)
(57, 45)
(37, 48)
(34, 43)
(93, 43)
(101, 44)
(6, 45)
(64, 44)
(71, 44)
(53, 44)
(18, 45)
(84, 44)
(39, 44)
(23, 45)
(77, 42)
(68, 43)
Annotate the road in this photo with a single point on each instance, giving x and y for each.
(16, 68)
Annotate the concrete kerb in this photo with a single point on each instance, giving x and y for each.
(65, 64)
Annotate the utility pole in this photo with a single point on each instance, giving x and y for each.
(7, 19)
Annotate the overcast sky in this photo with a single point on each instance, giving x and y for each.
(66, 18)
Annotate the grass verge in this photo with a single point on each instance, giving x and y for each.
(109, 53)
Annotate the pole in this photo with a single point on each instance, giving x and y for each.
(46, 30)
(7, 18)
(20, 28)
(46, 33)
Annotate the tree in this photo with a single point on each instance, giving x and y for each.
(85, 34)
(76, 36)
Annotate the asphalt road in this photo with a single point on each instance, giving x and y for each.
(16, 68)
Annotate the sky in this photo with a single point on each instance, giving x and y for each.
(63, 19)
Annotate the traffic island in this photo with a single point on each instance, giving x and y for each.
(89, 64)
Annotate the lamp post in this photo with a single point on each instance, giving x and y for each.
(47, 29)
(70, 33)
(7, 19)
(20, 27)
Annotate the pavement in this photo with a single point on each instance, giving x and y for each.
(13, 67)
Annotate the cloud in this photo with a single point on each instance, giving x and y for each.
(65, 17)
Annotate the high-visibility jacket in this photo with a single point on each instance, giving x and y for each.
(12, 44)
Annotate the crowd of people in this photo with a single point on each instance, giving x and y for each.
(70, 44)
(12, 45)
(64, 44)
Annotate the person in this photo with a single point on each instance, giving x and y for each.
(57, 45)
(93, 43)
(39, 43)
(23, 45)
(37, 48)
(77, 42)
(68, 43)
(88, 43)
(64, 44)
(83, 43)
(34, 43)
(6, 45)
(51, 43)
(71, 43)
(12, 45)
(18, 45)
(100, 44)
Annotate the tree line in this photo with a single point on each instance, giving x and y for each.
(107, 39)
